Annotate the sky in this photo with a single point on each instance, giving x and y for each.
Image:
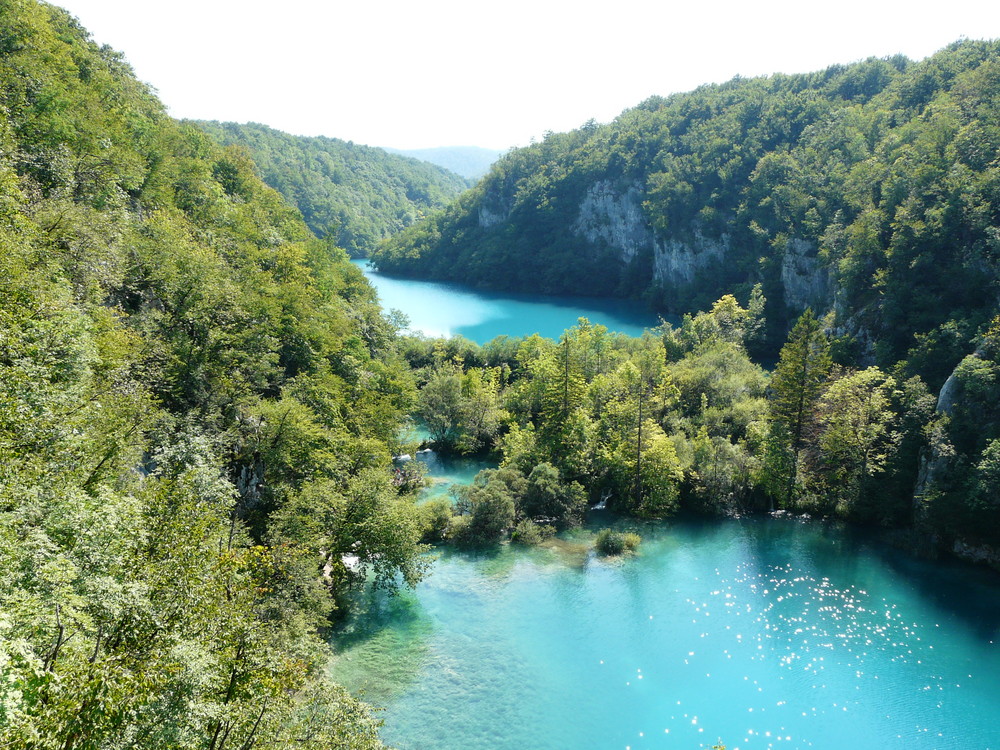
(427, 73)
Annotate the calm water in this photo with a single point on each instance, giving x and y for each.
(760, 633)
(444, 472)
(757, 633)
(440, 309)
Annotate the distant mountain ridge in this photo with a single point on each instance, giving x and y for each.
(358, 195)
(472, 162)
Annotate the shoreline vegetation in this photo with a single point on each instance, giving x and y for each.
(200, 401)
(198, 405)
(682, 418)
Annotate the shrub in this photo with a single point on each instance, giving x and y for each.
(548, 497)
(435, 520)
(611, 542)
(486, 514)
(529, 533)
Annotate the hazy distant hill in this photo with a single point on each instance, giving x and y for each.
(359, 194)
(469, 161)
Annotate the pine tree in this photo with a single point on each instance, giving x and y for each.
(803, 366)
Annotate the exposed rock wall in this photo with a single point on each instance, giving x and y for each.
(491, 216)
(611, 215)
(934, 461)
(676, 261)
(982, 554)
(614, 218)
(807, 283)
(495, 207)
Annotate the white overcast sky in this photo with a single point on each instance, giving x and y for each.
(423, 73)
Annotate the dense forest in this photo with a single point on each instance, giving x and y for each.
(200, 399)
(870, 189)
(864, 195)
(355, 195)
(683, 418)
(198, 403)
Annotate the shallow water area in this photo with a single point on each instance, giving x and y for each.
(758, 633)
(444, 309)
(445, 471)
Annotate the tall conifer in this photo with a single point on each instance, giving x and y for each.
(803, 366)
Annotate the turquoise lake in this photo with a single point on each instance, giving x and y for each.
(444, 472)
(441, 309)
(759, 633)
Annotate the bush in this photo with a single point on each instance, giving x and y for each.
(435, 520)
(486, 512)
(529, 533)
(611, 542)
(460, 531)
(548, 497)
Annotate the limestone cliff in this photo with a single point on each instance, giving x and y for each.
(613, 217)
(804, 278)
(676, 260)
(491, 215)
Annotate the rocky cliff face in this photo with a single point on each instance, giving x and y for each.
(806, 281)
(676, 261)
(980, 554)
(491, 216)
(613, 217)
(494, 208)
(968, 405)
(935, 460)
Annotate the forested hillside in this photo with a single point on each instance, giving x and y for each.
(867, 194)
(199, 399)
(355, 195)
(198, 402)
(869, 188)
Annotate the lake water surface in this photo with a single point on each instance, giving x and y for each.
(760, 633)
(443, 309)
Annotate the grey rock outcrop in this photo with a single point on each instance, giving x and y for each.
(981, 554)
(614, 218)
(489, 217)
(936, 458)
(807, 283)
(675, 261)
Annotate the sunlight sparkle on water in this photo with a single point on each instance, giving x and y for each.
(534, 649)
